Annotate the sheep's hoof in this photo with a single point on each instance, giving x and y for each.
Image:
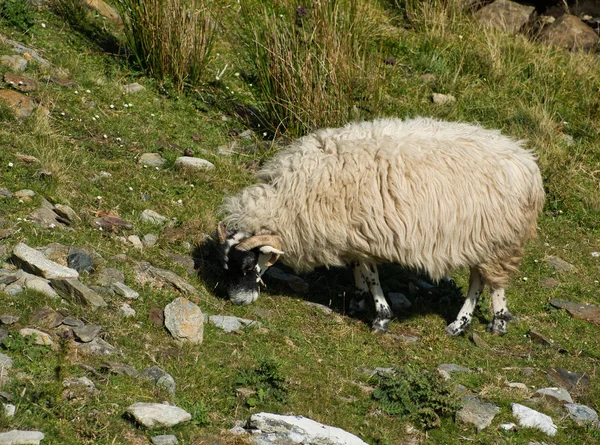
(497, 326)
(380, 326)
(456, 328)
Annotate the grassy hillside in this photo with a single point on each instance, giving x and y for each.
(392, 57)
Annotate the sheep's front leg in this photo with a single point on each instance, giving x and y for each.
(358, 303)
(463, 321)
(370, 275)
(501, 312)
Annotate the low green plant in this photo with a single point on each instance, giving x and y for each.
(17, 13)
(420, 396)
(267, 380)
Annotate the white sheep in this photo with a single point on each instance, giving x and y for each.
(434, 196)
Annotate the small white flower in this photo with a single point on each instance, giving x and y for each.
(191, 185)
(524, 278)
(460, 37)
(180, 201)
(52, 226)
(118, 139)
(88, 91)
(151, 114)
(131, 189)
(99, 198)
(237, 74)
(62, 114)
(10, 164)
(217, 78)
(265, 134)
(130, 105)
(97, 117)
(125, 105)
(76, 92)
(43, 25)
(93, 118)
(111, 106)
(104, 136)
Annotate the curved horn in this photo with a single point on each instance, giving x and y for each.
(221, 232)
(260, 240)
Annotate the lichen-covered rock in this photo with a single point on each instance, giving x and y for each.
(158, 415)
(184, 320)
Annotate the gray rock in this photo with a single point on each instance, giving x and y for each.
(587, 312)
(5, 362)
(125, 291)
(121, 368)
(18, 437)
(184, 261)
(150, 240)
(97, 346)
(275, 429)
(478, 413)
(582, 415)
(518, 385)
(447, 369)
(133, 88)
(158, 415)
(35, 262)
(73, 322)
(8, 319)
(25, 193)
(4, 334)
(77, 292)
(21, 49)
(15, 63)
(9, 410)
(112, 223)
(66, 212)
(570, 380)
(8, 276)
(40, 338)
(42, 286)
(109, 275)
(13, 289)
(194, 164)
(152, 160)
(559, 395)
(80, 262)
(81, 382)
(229, 323)
(161, 378)
(87, 333)
(135, 241)
(558, 264)
(127, 311)
(398, 302)
(549, 283)
(152, 217)
(46, 318)
(165, 439)
(442, 99)
(103, 291)
(505, 15)
(184, 320)
(530, 418)
(295, 283)
(570, 32)
(146, 273)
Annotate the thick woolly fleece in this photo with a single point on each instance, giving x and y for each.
(427, 194)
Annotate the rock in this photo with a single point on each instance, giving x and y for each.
(582, 415)
(320, 307)
(21, 83)
(112, 223)
(125, 291)
(66, 212)
(442, 99)
(135, 241)
(585, 312)
(133, 88)
(158, 415)
(22, 106)
(80, 262)
(229, 323)
(5, 363)
(406, 339)
(275, 429)
(4, 334)
(25, 193)
(77, 292)
(295, 283)
(152, 217)
(156, 316)
(505, 15)
(150, 240)
(8, 276)
(398, 302)
(478, 413)
(161, 378)
(28, 52)
(569, 380)
(193, 164)
(104, 10)
(97, 346)
(475, 338)
(80, 381)
(27, 159)
(447, 369)
(559, 395)
(127, 311)
(73, 322)
(121, 368)
(13, 289)
(87, 333)
(16, 63)
(509, 426)
(8, 319)
(33, 261)
(47, 318)
(40, 285)
(184, 320)
(558, 264)
(152, 160)
(146, 273)
(186, 262)
(530, 418)
(18, 437)
(109, 275)
(165, 439)
(9, 410)
(41, 338)
(569, 32)
(518, 385)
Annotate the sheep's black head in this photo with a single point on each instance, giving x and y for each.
(245, 258)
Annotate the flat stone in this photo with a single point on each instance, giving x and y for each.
(585, 312)
(277, 429)
(112, 223)
(447, 369)
(229, 323)
(97, 346)
(570, 32)
(4, 334)
(41, 338)
(133, 88)
(150, 240)
(87, 332)
(125, 291)
(135, 241)
(295, 283)
(478, 413)
(16, 63)
(146, 273)
(24, 193)
(42, 286)
(582, 415)
(558, 264)
(80, 262)
(13, 289)
(569, 380)
(398, 302)
(184, 320)
(158, 415)
(80, 381)
(156, 316)
(152, 160)
(28, 52)
(109, 275)
(165, 439)
(35, 262)
(21, 83)
(556, 395)
(194, 164)
(505, 15)
(530, 418)
(66, 212)
(8, 276)
(8, 319)
(127, 311)
(77, 292)
(73, 322)
(23, 106)
(184, 261)
(5, 363)
(47, 318)
(20, 437)
(27, 159)
(518, 385)
(442, 99)
(120, 368)
(152, 217)
(45, 217)
(161, 378)
(9, 410)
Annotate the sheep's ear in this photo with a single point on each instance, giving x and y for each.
(270, 249)
(221, 232)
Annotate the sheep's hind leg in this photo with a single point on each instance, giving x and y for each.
(358, 303)
(382, 308)
(463, 320)
(501, 312)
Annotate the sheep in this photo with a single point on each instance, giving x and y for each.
(430, 195)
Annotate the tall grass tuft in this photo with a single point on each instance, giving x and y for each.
(312, 63)
(170, 39)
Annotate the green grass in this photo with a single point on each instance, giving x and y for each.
(529, 91)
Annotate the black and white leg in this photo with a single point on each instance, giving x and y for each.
(358, 303)
(368, 270)
(500, 310)
(463, 321)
